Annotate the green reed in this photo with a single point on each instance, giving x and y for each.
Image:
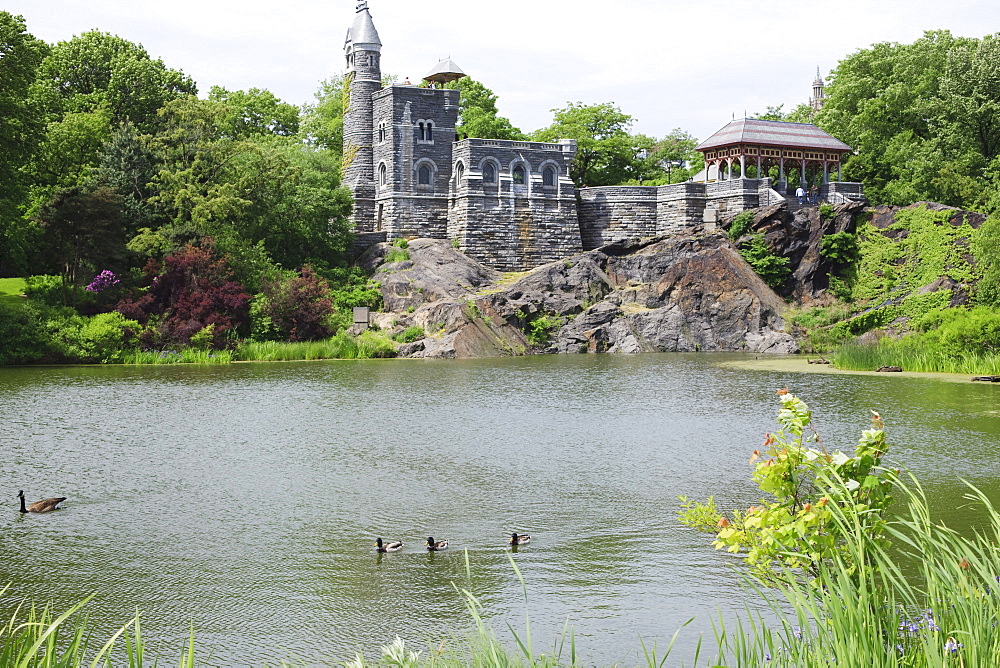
(178, 356)
(911, 355)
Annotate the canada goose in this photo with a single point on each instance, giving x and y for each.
(43, 506)
(519, 539)
(435, 545)
(391, 546)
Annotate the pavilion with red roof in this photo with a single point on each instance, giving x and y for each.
(751, 141)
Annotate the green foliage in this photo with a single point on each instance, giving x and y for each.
(396, 255)
(799, 529)
(839, 247)
(826, 211)
(478, 115)
(773, 269)
(925, 248)
(741, 224)
(372, 344)
(986, 248)
(410, 334)
(921, 118)
(539, 329)
(605, 151)
(401, 243)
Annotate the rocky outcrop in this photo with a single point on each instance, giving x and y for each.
(684, 293)
(797, 235)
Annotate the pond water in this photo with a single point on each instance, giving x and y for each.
(242, 501)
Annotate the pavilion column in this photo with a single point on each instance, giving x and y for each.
(759, 176)
(802, 175)
(743, 166)
(781, 169)
(826, 172)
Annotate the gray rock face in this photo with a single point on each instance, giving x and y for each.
(684, 293)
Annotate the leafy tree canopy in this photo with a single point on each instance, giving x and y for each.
(478, 112)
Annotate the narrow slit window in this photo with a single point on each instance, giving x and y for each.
(519, 175)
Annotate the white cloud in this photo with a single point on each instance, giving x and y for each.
(669, 64)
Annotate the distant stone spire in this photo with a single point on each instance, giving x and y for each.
(818, 97)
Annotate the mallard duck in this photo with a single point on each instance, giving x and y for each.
(43, 506)
(519, 539)
(435, 545)
(391, 546)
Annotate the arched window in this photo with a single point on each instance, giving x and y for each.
(381, 133)
(420, 131)
(383, 174)
(489, 173)
(459, 174)
(519, 175)
(424, 175)
(430, 131)
(549, 177)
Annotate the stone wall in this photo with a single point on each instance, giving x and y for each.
(508, 219)
(617, 213)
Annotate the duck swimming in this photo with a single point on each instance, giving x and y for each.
(391, 546)
(434, 545)
(519, 539)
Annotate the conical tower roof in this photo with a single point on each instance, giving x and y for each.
(363, 31)
(444, 72)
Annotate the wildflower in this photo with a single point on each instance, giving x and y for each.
(964, 564)
(797, 632)
(723, 522)
(953, 646)
(767, 656)
(899, 648)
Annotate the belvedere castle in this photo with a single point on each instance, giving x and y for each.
(511, 204)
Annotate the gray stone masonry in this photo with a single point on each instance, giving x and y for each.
(616, 213)
(414, 132)
(513, 205)
(359, 175)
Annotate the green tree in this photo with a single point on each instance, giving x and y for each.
(20, 131)
(100, 71)
(606, 153)
(478, 113)
(887, 102)
(82, 230)
(255, 112)
(323, 120)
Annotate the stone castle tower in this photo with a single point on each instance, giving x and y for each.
(818, 97)
(363, 51)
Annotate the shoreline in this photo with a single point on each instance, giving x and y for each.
(800, 364)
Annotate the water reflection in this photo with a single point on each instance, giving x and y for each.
(245, 499)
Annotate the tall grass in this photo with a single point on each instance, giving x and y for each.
(367, 345)
(911, 355)
(179, 356)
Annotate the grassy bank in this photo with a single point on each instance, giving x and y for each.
(913, 355)
(940, 610)
(11, 289)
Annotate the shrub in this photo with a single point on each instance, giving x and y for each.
(773, 269)
(375, 344)
(22, 336)
(294, 307)
(541, 327)
(799, 530)
(194, 290)
(396, 255)
(826, 211)
(839, 247)
(104, 338)
(741, 224)
(410, 334)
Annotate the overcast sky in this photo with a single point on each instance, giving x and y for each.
(670, 64)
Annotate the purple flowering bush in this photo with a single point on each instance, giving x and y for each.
(104, 280)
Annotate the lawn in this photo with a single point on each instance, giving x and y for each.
(11, 289)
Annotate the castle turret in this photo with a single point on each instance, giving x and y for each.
(818, 98)
(362, 49)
